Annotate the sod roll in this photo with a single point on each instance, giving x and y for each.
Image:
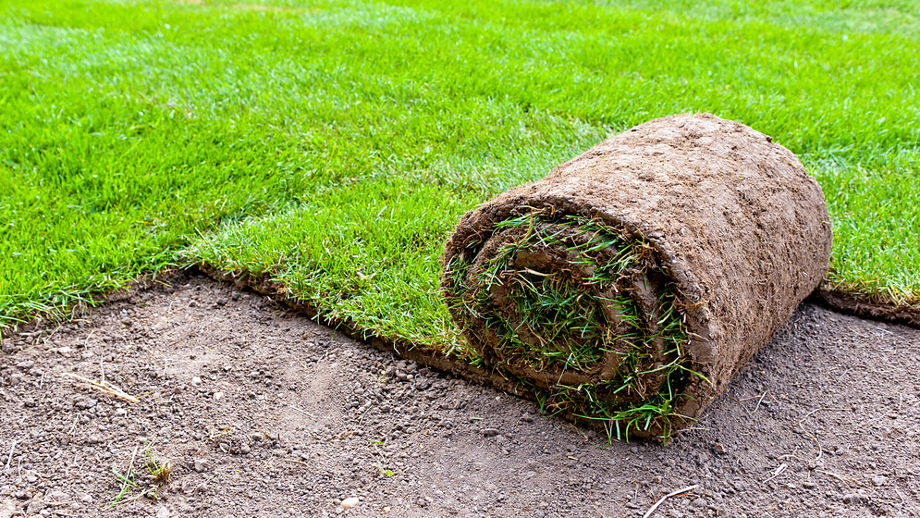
(632, 283)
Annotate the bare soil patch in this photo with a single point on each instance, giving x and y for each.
(262, 412)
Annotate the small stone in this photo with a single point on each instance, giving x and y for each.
(489, 432)
(700, 502)
(245, 448)
(218, 396)
(200, 465)
(86, 404)
(808, 484)
(64, 351)
(25, 364)
(879, 480)
(196, 381)
(853, 498)
(350, 502)
(675, 513)
(163, 512)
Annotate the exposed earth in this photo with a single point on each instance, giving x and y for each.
(262, 412)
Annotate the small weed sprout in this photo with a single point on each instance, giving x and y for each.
(158, 472)
(128, 484)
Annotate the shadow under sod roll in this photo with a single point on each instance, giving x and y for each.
(629, 286)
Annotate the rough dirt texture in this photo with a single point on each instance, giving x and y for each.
(264, 413)
(741, 230)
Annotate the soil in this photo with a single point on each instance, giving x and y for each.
(262, 412)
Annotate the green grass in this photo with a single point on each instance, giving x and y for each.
(334, 144)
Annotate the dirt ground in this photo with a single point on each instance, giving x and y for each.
(262, 412)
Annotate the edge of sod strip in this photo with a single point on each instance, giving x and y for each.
(865, 305)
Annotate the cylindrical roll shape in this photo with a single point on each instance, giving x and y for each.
(633, 282)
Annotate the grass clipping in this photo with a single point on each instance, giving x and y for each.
(632, 283)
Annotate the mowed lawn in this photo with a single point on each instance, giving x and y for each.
(333, 145)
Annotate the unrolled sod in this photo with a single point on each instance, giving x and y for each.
(629, 286)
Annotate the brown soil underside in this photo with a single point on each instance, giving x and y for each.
(825, 421)
(864, 306)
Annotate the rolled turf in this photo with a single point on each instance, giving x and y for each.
(632, 283)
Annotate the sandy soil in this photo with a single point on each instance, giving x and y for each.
(264, 413)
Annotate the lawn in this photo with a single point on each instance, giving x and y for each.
(333, 145)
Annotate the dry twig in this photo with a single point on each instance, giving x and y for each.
(302, 411)
(782, 467)
(105, 386)
(838, 477)
(669, 495)
(10, 458)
